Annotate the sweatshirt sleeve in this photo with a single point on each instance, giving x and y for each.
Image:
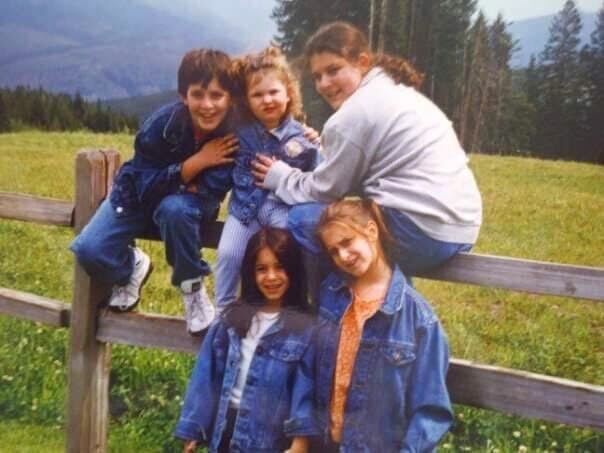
(339, 174)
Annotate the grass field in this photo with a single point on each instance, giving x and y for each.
(543, 210)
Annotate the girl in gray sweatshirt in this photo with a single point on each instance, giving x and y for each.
(387, 142)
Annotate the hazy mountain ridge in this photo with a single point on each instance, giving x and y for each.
(106, 49)
(532, 35)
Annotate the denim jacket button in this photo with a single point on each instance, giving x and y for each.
(119, 209)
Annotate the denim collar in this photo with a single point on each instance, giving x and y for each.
(394, 296)
(280, 132)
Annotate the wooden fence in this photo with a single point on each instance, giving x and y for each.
(92, 331)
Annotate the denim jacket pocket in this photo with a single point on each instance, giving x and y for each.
(288, 352)
(398, 354)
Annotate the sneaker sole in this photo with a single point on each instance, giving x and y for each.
(140, 290)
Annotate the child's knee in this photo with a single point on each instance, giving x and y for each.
(176, 210)
(87, 252)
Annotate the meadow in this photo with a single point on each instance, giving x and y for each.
(534, 209)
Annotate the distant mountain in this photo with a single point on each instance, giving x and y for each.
(532, 35)
(102, 48)
(142, 106)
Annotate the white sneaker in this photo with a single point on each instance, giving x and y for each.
(125, 298)
(199, 310)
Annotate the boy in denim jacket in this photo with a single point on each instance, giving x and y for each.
(180, 172)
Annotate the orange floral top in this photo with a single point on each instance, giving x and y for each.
(353, 321)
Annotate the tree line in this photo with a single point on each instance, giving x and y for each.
(552, 109)
(24, 107)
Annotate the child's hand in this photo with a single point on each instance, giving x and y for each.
(261, 165)
(218, 151)
(190, 446)
(213, 153)
(310, 134)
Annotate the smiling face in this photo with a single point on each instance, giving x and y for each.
(208, 106)
(353, 252)
(267, 98)
(271, 278)
(335, 77)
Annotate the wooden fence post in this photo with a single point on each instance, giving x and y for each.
(89, 359)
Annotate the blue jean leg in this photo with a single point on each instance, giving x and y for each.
(302, 223)
(416, 251)
(231, 248)
(180, 219)
(102, 247)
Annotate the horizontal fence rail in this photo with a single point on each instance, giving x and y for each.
(537, 277)
(94, 329)
(488, 387)
(29, 208)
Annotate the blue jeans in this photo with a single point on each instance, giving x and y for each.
(415, 251)
(103, 246)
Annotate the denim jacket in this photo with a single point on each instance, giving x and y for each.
(286, 143)
(398, 399)
(164, 141)
(277, 400)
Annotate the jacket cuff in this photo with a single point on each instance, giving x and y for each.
(278, 171)
(303, 427)
(187, 430)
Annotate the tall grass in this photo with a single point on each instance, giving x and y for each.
(551, 211)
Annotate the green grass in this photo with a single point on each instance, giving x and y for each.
(543, 210)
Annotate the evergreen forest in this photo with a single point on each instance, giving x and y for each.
(24, 108)
(553, 109)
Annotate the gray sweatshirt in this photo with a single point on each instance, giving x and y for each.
(390, 143)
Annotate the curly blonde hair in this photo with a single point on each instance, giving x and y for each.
(248, 68)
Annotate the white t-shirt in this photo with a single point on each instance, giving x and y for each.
(259, 325)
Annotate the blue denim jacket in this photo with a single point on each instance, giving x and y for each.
(277, 400)
(286, 143)
(398, 399)
(164, 141)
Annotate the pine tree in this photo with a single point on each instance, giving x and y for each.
(560, 104)
(594, 63)
(5, 125)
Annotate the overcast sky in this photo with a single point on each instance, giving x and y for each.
(521, 9)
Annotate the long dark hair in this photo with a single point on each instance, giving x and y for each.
(295, 306)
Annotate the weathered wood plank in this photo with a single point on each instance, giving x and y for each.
(146, 330)
(35, 308)
(523, 275)
(89, 359)
(500, 389)
(527, 394)
(48, 211)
